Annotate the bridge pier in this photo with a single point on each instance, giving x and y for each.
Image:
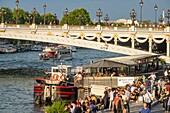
(132, 42)
(3, 25)
(115, 40)
(150, 44)
(167, 29)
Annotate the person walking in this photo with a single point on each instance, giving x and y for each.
(111, 100)
(148, 99)
(120, 105)
(145, 108)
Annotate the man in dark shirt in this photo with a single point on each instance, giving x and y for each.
(78, 109)
(105, 98)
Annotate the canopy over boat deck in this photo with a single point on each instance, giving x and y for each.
(126, 65)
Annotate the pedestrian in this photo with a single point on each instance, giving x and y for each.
(148, 99)
(148, 84)
(78, 109)
(105, 98)
(120, 105)
(153, 76)
(127, 93)
(111, 99)
(115, 101)
(145, 108)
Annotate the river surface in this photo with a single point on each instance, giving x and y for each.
(18, 70)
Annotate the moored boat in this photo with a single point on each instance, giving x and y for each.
(9, 48)
(54, 87)
(56, 53)
(36, 48)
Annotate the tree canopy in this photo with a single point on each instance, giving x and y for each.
(7, 16)
(77, 17)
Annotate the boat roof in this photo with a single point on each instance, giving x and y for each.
(131, 60)
(61, 66)
(120, 61)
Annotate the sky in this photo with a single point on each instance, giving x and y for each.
(116, 9)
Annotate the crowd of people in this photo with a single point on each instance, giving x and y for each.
(117, 99)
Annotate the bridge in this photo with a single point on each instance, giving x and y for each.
(128, 41)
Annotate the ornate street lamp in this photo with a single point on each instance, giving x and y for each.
(34, 12)
(3, 13)
(80, 20)
(65, 13)
(29, 18)
(106, 18)
(54, 18)
(156, 8)
(141, 4)
(44, 6)
(161, 19)
(17, 2)
(99, 14)
(168, 16)
(133, 16)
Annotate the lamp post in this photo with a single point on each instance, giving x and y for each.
(17, 2)
(156, 8)
(141, 4)
(34, 12)
(99, 14)
(106, 18)
(65, 13)
(29, 18)
(161, 19)
(168, 16)
(80, 20)
(133, 16)
(44, 6)
(54, 18)
(3, 13)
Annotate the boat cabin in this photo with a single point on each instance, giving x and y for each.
(126, 65)
(65, 69)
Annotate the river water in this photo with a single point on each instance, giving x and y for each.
(18, 70)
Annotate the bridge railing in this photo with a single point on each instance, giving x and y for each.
(75, 27)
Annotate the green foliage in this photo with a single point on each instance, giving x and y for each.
(48, 18)
(57, 107)
(147, 22)
(163, 62)
(22, 15)
(38, 18)
(8, 15)
(74, 17)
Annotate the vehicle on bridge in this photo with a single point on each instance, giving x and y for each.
(56, 53)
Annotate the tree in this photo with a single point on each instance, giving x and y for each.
(38, 18)
(48, 18)
(57, 107)
(22, 15)
(76, 16)
(7, 16)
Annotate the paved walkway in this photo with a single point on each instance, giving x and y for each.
(136, 107)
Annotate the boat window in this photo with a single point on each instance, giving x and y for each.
(123, 70)
(132, 70)
(56, 70)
